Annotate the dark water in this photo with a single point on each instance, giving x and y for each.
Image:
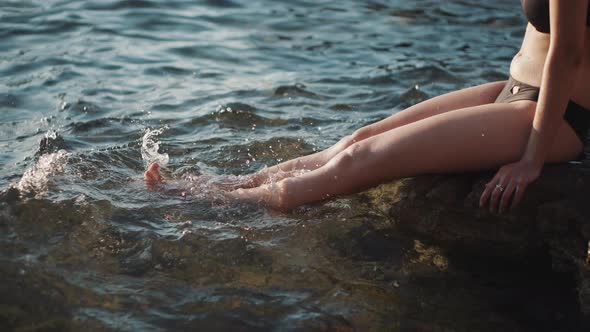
(92, 91)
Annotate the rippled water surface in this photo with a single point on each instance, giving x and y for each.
(92, 91)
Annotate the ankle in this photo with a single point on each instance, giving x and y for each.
(281, 198)
(257, 179)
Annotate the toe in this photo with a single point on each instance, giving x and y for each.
(153, 173)
(154, 167)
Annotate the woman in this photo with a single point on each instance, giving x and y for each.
(541, 115)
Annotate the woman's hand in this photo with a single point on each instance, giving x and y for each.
(510, 182)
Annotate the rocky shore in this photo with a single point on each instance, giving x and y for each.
(552, 224)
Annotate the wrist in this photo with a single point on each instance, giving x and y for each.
(533, 155)
(533, 160)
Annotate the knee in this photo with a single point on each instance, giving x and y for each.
(350, 156)
(361, 134)
(357, 136)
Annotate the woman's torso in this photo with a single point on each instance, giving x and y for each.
(527, 65)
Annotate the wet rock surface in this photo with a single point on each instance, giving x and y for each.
(546, 237)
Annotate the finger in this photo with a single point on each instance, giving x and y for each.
(486, 194)
(496, 194)
(506, 196)
(518, 194)
(490, 186)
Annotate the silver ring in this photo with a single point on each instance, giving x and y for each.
(499, 187)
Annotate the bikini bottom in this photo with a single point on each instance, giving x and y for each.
(575, 115)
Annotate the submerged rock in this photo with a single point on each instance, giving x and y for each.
(9, 195)
(553, 220)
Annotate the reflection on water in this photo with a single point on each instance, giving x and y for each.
(91, 92)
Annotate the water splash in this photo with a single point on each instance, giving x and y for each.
(210, 187)
(215, 187)
(52, 142)
(150, 147)
(51, 134)
(35, 180)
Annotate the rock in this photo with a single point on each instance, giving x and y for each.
(52, 142)
(10, 195)
(553, 220)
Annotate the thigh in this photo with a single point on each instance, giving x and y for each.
(468, 97)
(474, 138)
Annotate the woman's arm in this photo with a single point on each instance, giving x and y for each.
(568, 26)
(560, 72)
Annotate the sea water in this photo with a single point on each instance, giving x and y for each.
(91, 92)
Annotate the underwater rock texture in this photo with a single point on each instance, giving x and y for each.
(552, 221)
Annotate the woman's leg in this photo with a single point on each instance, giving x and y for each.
(469, 97)
(152, 174)
(475, 138)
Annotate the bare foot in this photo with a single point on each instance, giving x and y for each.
(152, 175)
(259, 179)
(270, 195)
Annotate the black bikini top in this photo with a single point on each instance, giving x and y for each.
(537, 12)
